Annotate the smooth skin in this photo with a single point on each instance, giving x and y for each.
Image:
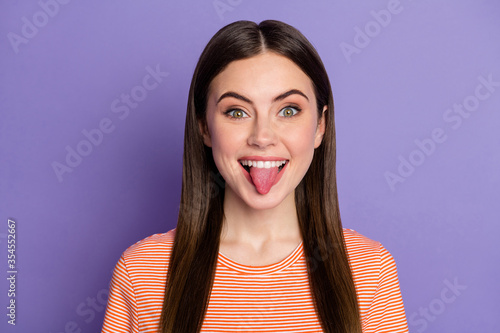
(261, 106)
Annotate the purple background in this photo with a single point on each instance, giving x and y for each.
(440, 224)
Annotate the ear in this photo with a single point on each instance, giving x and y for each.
(204, 132)
(320, 130)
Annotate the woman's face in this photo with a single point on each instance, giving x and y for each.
(261, 113)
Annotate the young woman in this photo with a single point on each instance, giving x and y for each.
(259, 245)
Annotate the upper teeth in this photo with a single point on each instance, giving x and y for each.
(263, 164)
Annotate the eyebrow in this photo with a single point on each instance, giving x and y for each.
(276, 99)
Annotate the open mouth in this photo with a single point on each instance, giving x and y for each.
(263, 164)
(263, 174)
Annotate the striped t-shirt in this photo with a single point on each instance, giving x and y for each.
(272, 298)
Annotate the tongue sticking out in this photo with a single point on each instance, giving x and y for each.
(263, 178)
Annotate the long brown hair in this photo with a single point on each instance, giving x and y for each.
(194, 255)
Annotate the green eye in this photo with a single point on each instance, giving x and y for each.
(236, 113)
(289, 111)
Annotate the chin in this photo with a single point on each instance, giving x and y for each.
(263, 202)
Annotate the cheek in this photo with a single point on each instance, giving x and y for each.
(302, 138)
(226, 144)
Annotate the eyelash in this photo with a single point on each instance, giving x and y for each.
(296, 108)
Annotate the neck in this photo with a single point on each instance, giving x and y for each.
(246, 225)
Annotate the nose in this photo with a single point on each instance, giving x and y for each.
(262, 134)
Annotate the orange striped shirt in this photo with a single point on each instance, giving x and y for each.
(272, 298)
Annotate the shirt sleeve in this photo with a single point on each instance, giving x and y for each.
(386, 312)
(121, 310)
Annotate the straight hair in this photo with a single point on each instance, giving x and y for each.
(194, 255)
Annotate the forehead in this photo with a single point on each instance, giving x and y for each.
(261, 77)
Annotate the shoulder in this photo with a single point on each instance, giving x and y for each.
(377, 285)
(365, 253)
(154, 246)
(357, 243)
(371, 263)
